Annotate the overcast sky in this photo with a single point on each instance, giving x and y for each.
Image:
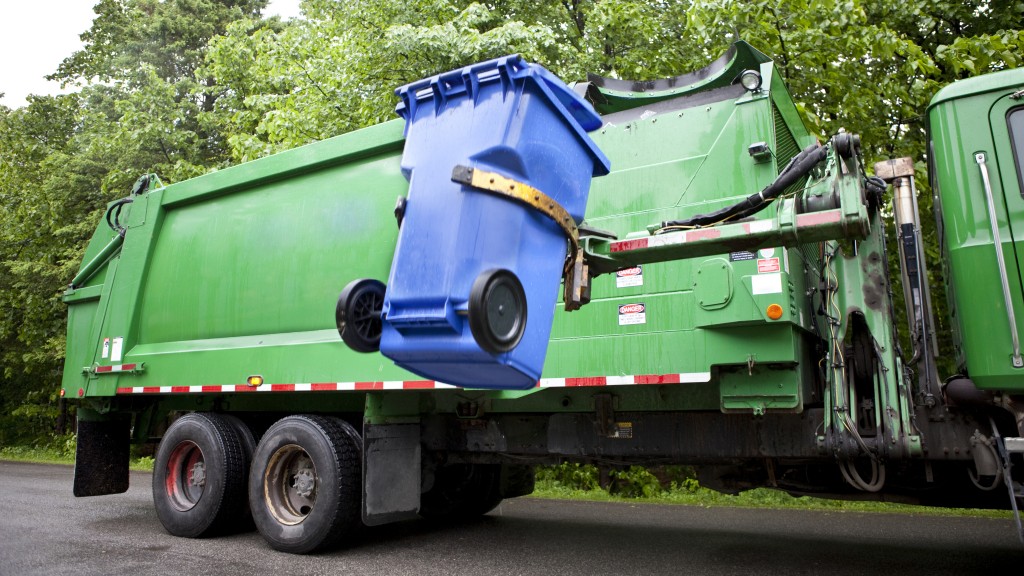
(36, 35)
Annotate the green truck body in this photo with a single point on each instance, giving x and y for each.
(762, 349)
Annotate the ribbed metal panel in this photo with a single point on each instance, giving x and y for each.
(785, 145)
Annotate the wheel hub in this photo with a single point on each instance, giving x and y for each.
(198, 475)
(304, 482)
(290, 484)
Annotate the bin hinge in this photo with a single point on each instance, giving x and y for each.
(576, 273)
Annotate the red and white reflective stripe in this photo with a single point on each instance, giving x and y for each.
(665, 239)
(692, 377)
(115, 368)
(688, 378)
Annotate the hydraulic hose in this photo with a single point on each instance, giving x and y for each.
(797, 168)
(114, 216)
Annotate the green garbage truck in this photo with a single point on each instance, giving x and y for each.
(725, 301)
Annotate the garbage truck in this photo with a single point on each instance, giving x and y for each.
(404, 320)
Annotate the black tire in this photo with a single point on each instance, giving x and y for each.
(248, 442)
(462, 492)
(497, 311)
(305, 487)
(358, 314)
(199, 486)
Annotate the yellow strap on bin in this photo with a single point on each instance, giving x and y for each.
(575, 273)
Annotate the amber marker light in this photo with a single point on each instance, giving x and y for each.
(774, 311)
(254, 381)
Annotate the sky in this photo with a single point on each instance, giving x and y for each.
(36, 35)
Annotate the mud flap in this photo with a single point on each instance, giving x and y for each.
(101, 457)
(391, 472)
(516, 480)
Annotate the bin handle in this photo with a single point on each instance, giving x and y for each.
(576, 271)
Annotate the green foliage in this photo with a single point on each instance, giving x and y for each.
(570, 478)
(569, 475)
(634, 482)
(564, 481)
(54, 448)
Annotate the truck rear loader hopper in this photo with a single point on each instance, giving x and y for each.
(725, 304)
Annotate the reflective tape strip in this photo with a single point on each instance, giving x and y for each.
(115, 368)
(585, 381)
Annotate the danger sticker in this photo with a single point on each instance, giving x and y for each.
(106, 348)
(766, 265)
(630, 314)
(629, 277)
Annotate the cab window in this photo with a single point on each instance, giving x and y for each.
(1015, 122)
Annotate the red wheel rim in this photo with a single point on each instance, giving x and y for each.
(186, 476)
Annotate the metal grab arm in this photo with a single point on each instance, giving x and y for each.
(789, 227)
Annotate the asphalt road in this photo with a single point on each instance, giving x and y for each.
(45, 530)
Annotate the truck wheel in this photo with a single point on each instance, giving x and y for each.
(199, 476)
(305, 487)
(248, 443)
(497, 311)
(462, 491)
(357, 314)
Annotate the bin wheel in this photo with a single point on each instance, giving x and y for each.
(497, 311)
(305, 488)
(358, 314)
(199, 474)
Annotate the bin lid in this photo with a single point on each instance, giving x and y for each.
(508, 69)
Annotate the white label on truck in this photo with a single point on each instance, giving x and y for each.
(106, 348)
(666, 239)
(115, 351)
(629, 277)
(630, 314)
(766, 284)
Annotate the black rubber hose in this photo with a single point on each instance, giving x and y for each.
(115, 212)
(798, 167)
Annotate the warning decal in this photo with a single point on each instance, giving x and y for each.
(629, 277)
(106, 348)
(766, 265)
(630, 314)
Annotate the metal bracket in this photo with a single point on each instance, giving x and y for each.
(576, 273)
(1004, 448)
(604, 409)
(1018, 362)
(98, 370)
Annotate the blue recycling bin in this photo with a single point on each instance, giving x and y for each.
(475, 278)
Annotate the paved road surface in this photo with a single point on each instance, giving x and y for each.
(45, 530)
